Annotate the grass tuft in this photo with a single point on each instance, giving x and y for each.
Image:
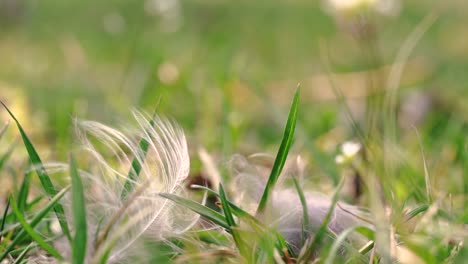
(43, 176)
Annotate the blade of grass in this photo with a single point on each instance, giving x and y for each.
(24, 191)
(282, 152)
(34, 202)
(312, 247)
(42, 174)
(202, 210)
(6, 155)
(37, 218)
(305, 211)
(327, 164)
(30, 230)
(79, 216)
(281, 243)
(338, 242)
(135, 169)
(230, 221)
(366, 248)
(416, 211)
(5, 215)
(23, 253)
(426, 171)
(19, 250)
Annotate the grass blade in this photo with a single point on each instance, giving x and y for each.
(282, 152)
(34, 202)
(202, 210)
(281, 243)
(22, 234)
(322, 231)
(42, 174)
(416, 211)
(230, 221)
(30, 230)
(7, 155)
(225, 206)
(5, 213)
(305, 211)
(79, 216)
(24, 191)
(23, 253)
(339, 241)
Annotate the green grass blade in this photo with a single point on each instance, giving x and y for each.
(416, 211)
(79, 216)
(5, 213)
(30, 230)
(239, 212)
(225, 206)
(322, 231)
(305, 211)
(37, 218)
(341, 239)
(24, 191)
(21, 256)
(34, 202)
(202, 210)
(254, 222)
(6, 156)
(230, 221)
(42, 174)
(135, 169)
(282, 152)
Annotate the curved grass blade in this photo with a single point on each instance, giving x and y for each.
(305, 211)
(282, 152)
(230, 221)
(42, 174)
(30, 230)
(36, 219)
(79, 216)
(202, 210)
(135, 169)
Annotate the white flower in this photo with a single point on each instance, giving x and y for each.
(344, 7)
(347, 5)
(350, 148)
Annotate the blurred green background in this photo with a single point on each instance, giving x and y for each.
(227, 70)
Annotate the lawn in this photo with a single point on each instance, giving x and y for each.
(267, 103)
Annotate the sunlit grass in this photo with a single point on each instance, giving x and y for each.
(231, 92)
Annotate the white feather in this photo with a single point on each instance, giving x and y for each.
(285, 211)
(164, 168)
